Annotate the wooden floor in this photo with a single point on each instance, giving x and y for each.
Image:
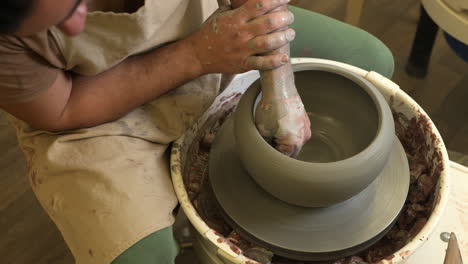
(28, 236)
(444, 92)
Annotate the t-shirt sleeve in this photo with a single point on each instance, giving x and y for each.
(23, 73)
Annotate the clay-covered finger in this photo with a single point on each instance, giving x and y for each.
(254, 8)
(288, 150)
(271, 22)
(307, 130)
(270, 42)
(267, 62)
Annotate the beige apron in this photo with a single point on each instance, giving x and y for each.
(107, 187)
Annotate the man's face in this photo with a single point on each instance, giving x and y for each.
(68, 15)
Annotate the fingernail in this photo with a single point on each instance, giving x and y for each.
(285, 59)
(290, 35)
(292, 17)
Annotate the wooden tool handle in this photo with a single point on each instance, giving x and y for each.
(453, 255)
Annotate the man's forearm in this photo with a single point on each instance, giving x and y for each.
(135, 81)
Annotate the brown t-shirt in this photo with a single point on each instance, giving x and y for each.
(29, 65)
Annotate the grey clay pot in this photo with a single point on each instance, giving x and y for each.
(352, 137)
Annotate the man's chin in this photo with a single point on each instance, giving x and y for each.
(71, 31)
(72, 28)
(76, 23)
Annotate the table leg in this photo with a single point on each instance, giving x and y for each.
(423, 43)
(353, 12)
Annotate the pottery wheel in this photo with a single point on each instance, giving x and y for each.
(301, 233)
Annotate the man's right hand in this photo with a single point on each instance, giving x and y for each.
(233, 40)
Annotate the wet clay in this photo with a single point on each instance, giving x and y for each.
(344, 117)
(343, 229)
(356, 124)
(424, 172)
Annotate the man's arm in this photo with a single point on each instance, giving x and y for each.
(76, 102)
(228, 43)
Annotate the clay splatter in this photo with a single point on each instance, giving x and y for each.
(215, 26)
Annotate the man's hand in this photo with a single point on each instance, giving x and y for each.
(280, 117)
(232, 39)
(284, 122)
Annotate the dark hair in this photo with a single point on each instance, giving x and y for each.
(12, 13)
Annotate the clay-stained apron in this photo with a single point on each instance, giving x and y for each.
(108, 186)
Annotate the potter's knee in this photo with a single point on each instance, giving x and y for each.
(377, 56)
(158, 247)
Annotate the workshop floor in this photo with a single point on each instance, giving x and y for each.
(27, 235)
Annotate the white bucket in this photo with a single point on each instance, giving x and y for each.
(212, 248)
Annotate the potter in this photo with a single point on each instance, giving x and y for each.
(97, 98)
(95, 113)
